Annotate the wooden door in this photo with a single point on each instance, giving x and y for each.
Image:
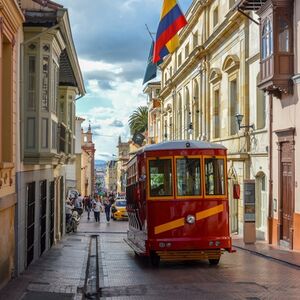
(30, 222)
(43, 215)
(51, 215)
(286, 201)
(286, 192)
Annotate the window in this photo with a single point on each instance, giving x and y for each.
(31, 82)
(55, 87)
(54, 135)
(70, 115)
(44, 137)
(45, 83)
(267, 39)
(160, 176)
(195, 39)
(6, 98)
(179, 60)
(283, 38)
(260, 108)
(30, 133)
(214, 176)
(215, 16)
(234, 109)
(186, 50)
(188, 177)
(216, 116)
(231, 3)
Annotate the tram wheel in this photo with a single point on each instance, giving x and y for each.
(214, 261)
(154, 259)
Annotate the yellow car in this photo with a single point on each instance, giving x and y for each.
(118, 210)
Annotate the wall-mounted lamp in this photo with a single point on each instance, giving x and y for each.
(239, 119)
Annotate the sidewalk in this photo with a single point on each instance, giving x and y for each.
(57, 274)
(270, 251)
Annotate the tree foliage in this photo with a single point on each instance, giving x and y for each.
(138, 120)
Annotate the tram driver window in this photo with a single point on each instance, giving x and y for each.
(214, 176)
(160, 177)
(188, 177)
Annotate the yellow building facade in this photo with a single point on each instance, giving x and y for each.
(206, 82)
(11, 20)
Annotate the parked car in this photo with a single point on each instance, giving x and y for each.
(118, 210)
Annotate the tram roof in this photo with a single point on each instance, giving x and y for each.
(180, 145)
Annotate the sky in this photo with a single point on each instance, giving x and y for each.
(112, 45)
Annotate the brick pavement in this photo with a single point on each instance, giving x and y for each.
(242, 275)
(57, 273)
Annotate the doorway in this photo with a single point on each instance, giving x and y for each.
(43, 215)
(30, 222)
(261, 206)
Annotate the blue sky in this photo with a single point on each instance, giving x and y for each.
(112, 46)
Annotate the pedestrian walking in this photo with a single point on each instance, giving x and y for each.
(88, 206)
(107, 206)
(97, 209)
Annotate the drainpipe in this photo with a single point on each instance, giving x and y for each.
(270, 209)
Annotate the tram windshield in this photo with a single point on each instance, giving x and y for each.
(214, 176)
(188, 176)
(160, 171)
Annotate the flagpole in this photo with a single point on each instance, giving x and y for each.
(149, 32)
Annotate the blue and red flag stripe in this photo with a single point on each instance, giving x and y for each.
(172, 20)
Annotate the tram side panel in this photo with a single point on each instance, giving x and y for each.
(168, 227)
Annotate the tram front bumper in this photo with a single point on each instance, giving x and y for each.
(190, 244)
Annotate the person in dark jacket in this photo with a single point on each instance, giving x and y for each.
(107, 206)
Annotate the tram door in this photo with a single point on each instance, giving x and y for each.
(51, 215)
(30, 222)
(43, 215)
(233, 209)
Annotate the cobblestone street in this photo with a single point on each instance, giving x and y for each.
(62, 272)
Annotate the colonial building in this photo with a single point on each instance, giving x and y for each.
(51, 80)
(280, 79)
(123, 157)
(152, 91)
(209, 81)
(11, 20)
(87, 163)
(111, 180)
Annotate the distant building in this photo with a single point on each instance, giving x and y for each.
(123, 157)
(87, 163)
(111, 180)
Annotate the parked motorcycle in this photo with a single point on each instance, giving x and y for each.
(73, 222)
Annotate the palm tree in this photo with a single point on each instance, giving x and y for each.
(138, 120)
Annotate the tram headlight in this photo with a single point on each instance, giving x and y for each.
(190, 219)
(217, 243)
(162, 245)
(211, 243)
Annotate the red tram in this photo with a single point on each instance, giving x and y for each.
(177, 202)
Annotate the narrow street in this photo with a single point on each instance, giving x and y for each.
(95, 263)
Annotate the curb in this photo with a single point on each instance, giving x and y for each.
(268, 256)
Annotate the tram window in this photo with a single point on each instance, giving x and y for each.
(188, 176)
(160, 177)
(214, 176)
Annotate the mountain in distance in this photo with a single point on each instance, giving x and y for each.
(100, 163)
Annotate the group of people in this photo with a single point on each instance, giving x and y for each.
(97, 205)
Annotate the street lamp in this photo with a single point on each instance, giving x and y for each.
(239, 119)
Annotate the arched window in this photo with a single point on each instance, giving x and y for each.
(283, 38)
(267, 39)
